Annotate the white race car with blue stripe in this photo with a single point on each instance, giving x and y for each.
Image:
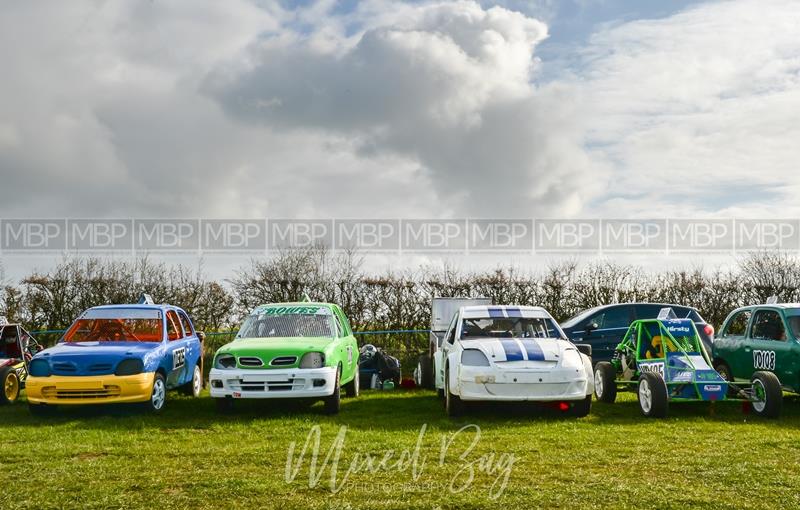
(511, 353)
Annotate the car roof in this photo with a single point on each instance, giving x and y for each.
(136, 306)
(295, 303)
(782, 306)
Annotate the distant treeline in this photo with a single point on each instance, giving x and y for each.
(398, 299)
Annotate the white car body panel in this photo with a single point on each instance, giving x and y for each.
(520, 369)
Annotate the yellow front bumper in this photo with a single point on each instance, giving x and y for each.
(94, 389)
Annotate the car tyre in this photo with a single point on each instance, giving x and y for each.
(353, 388)
(334, 402)
(11, 385)
(158, 395)
(725, 372)
(425, 370)
(452, 403)
(581, 408)
(195, 386)
(605, 382)
(767, 387)
(652, 393)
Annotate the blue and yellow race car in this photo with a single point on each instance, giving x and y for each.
(119, 354)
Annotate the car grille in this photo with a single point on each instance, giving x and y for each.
(100, 367)
(99, 393)
(64, 367)
(282, 361)
(250, 361)
(287, 385)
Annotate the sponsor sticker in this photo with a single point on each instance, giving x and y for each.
(712, 387)
(295, 310)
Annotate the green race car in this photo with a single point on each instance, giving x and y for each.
(288, 350)
(761, 338)
(663, 360)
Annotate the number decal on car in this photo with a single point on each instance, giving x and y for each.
(764, 360)
(178, 358)
(656, 368)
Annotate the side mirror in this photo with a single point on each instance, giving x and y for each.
(592, 326)
(201, 336)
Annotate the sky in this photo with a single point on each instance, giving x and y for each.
(387, 109)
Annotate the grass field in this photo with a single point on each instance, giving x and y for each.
(191, 457)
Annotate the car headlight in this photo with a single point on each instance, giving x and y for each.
(130, 366)
(39, 368)
(474, 358)
(312, 360)
(225, 361)
(572, 359)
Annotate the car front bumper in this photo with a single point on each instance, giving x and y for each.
(95, 389)
(485, 383)
(283, 383)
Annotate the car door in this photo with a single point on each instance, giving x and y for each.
(768, 347)
(194, 349)
(442, 353)
(729, 346)
(176, 351)
(346, 348)
(611, 324)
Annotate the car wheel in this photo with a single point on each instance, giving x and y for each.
(605, 382)
(652, 393)
(581, 408)
(195, 386)
(158, 395)
(767, 395)
(425, 371)
(724, 371)
(452, 403)
(10, 381)
(440, 393)
(334, 402)
(224, 405)
(353, 388)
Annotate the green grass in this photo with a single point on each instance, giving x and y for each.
(191, 457)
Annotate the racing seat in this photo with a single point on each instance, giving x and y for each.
(655, 348)
(10, 344)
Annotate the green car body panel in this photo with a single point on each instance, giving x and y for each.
(271, 364)
(761, 338)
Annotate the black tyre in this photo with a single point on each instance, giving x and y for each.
(605, 382)
(195, 386)
(440, 394)
(11, 386)
(425, 371)
(158, 395)
(41, 409)
(725, 372)
(652, 392)
(452, 403)
(334, 402)
(224, 405)
(581, 408)
(767, 395)
(353, 388)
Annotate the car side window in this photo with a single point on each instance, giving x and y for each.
(187, 325)
(451, 332)
(173, 326)
(737, 325)
(768, 325)
(617, 317)
(339, 328)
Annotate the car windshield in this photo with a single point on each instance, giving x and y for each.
(793, 318)
(116, 325)
(575, 319)
(296, 325)
(509, 328)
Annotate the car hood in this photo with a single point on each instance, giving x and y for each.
(267, 349)
(94, 358)
(520, 352)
